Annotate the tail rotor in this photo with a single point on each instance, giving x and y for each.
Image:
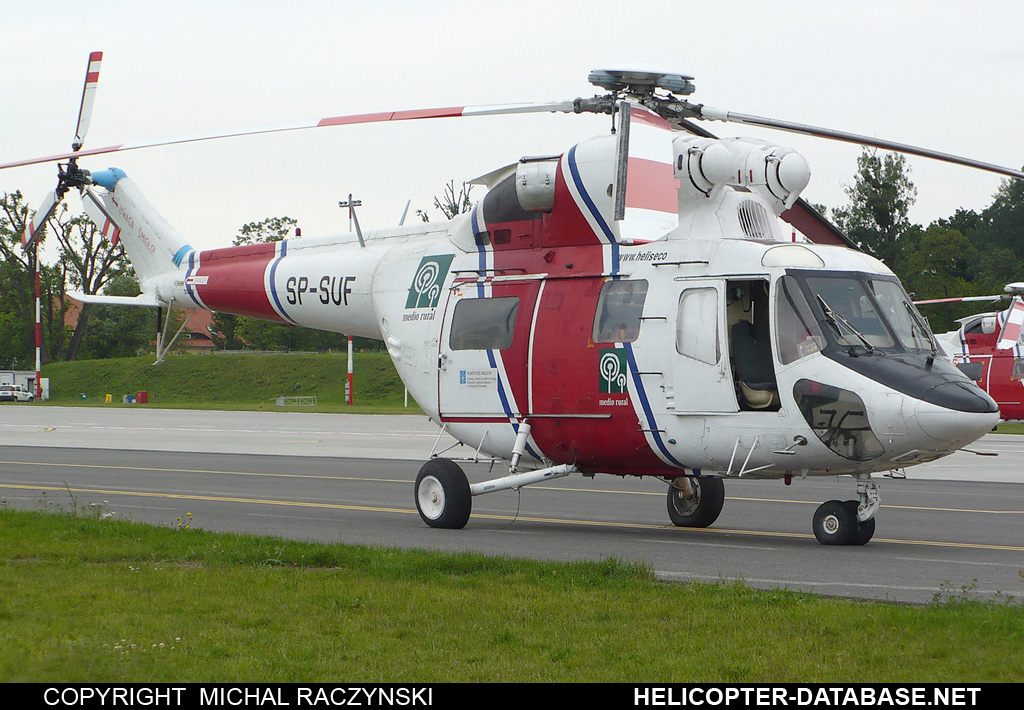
(69, 175)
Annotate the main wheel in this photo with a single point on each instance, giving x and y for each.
(443, 498)
(833, 524)
(698, 505)
(864, 529)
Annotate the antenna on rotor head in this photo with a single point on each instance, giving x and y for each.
(641, 83)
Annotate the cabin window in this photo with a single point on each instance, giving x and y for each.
(619, 309)
(484, 323)
(1018, 368)
(697, 325)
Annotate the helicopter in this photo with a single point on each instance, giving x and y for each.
(631, 306)
(987, 347)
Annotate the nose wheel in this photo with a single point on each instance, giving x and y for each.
(835, 523)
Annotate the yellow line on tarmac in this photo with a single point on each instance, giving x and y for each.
(561, 489)
(783, 500)
(557, 521)
(154, 469)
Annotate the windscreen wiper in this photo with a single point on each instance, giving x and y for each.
(915, 320)
(835, 320)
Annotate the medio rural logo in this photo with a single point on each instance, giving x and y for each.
(614, 371)
(425, 291)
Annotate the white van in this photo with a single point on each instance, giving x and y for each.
(15, 393)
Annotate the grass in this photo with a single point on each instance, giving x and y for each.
(233, 381)
(83, 599)
(1010, 428)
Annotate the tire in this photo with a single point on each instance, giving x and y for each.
(702, 509)
(833, 524)
(443, 498)
(865, 530)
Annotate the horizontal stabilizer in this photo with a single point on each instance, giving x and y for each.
(144, 299)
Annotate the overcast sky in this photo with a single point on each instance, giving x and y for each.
(939, 74)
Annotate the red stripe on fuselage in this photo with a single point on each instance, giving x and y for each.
(235, 282)
(598, 432)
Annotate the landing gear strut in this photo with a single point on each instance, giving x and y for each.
(444, 497)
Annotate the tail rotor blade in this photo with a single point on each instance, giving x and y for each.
(92, 77)
(98, 214)
(34, 225)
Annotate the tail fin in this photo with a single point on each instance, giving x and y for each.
(152, 244)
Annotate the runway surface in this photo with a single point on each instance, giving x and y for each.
(950, 527)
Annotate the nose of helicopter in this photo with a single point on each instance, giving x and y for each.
(956, 414)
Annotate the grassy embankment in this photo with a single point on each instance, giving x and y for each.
(233, 381)
(86, 599)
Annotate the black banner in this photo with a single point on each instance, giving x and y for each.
(361, 695)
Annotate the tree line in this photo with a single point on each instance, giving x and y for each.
(966, 254)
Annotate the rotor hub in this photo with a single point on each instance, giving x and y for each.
(641, 82)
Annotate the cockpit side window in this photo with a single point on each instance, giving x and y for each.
(799, 334)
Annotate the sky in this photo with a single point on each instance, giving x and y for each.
(939, 74)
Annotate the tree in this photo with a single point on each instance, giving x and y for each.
(999, 237)
(943, 267)
(272, 229)
(90, 261)
(450, 203)
(118, 331)
(18, 292)
(880, 199)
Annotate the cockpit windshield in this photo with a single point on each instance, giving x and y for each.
(858, 312)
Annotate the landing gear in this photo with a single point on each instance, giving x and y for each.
(833, 524)
(695, 502)
(443, 498)
(849, 522)
(865, 529)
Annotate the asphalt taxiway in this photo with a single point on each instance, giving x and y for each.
(951, 527)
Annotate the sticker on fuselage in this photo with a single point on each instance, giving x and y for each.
(614, 371)
(425, 290)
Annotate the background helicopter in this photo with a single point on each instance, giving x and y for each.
(539, 327)
(987, 348)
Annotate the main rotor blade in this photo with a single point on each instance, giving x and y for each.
(961, 299)
(415, 114)
(92, 77)
(32, 227)
(746, 119)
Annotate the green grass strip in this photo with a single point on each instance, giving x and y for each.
(84, 599)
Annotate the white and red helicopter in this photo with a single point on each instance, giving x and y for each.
(631, 306)
(989, 349)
